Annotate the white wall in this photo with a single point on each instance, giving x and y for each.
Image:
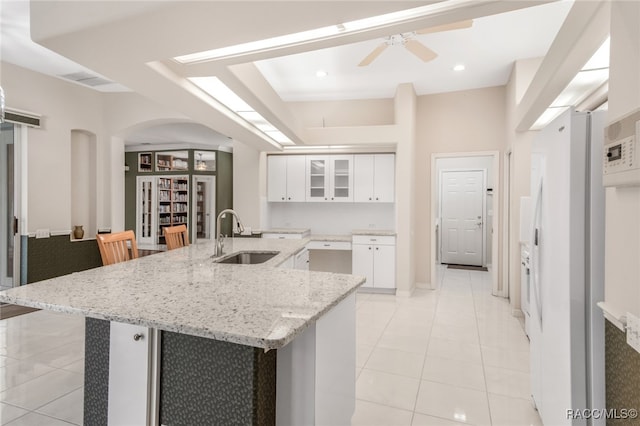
(84, 182)
(622, 240)
(458, 122)
(519, 144)
(369, 112)
(332, 218)
(64, 107)
(246, 184)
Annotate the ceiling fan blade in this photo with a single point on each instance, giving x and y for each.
(373, 55)
(420, 50)
(447, 27)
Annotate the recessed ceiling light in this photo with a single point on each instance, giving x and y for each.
(321, 73)
(459, 67)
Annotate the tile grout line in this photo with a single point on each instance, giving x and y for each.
(424, 360)
(484, 372)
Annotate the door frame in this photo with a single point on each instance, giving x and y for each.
(483, 259)
(495, 259)
(19, 202)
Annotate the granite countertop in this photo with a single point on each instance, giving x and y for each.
(381, 232)
(186, 291)
(286, 231)
(338, 238)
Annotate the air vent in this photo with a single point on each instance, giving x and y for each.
(22, 117)
(87, 79)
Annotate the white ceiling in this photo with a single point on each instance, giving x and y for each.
(488, 50)
(131, 35)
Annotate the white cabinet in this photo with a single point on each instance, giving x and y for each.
(286, 178)
(375, 258)
(329, 178)
(301, 260)
(374, 178)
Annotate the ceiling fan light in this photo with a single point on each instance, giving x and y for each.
(321, 73)
(459, 67)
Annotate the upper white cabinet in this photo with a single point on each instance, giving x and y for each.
(329, 178)
(286, 178)
(363, 178)
(374, 178)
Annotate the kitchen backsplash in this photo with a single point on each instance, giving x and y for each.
(331, 218)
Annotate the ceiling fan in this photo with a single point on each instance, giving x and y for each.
(410, 43)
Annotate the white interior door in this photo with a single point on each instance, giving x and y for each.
(462, 213)
(204, 208)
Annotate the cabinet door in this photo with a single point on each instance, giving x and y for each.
(384, 178)
(341, 182)
(317, 178)
(363, 178)
(384, 266)
(276, 178)
(296, 166)
(362, 262)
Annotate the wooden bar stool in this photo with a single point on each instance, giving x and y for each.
(176, 236)
(117, 247)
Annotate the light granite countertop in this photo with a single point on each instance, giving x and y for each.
(380, 232)
(337, 238)
(186, 291)
(304, 231)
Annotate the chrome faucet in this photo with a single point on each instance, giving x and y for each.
(220, 243)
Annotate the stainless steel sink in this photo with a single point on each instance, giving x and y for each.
(247, 257)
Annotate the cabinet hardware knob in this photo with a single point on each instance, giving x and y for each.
(377, 248)
(377, 198)
(138, 337)
(370, 198)
(332, 198)
(369, 248)
(283, 198)
(289, 198)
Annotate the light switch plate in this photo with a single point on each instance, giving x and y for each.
(633, 331)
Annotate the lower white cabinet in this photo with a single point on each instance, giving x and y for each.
(375, 257)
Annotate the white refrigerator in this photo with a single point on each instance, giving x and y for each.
(567, 268)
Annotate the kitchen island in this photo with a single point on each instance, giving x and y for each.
(177, 338)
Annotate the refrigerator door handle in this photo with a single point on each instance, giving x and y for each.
(535, 261)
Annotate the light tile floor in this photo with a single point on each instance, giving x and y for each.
(445, 357)
(41, 369)
(450, 356)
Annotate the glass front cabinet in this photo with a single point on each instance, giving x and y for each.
(330, 178)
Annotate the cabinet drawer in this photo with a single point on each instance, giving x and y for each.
(329, 245)
(386, 240)
(281, 236)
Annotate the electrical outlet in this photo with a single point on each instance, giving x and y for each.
(42, 233)
(633, 331)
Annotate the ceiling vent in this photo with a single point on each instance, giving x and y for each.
(22, 117)
(87, 79)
